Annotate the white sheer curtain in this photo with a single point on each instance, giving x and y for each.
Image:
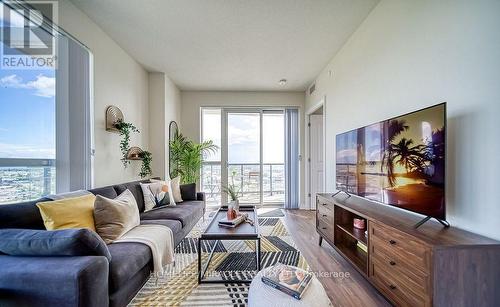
(291, 159)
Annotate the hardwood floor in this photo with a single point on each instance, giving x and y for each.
(352, 290)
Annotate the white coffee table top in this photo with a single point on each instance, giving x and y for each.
(260, 295)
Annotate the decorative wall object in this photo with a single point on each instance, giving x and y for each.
(125, 129)
(115, 123)
(134, 153)
(173, 130)
(113, 116)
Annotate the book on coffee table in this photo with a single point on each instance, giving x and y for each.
(225, 222)
(288, 279)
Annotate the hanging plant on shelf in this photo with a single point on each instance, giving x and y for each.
(125, 129)
(146, 157)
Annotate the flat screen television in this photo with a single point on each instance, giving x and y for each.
(398, 162)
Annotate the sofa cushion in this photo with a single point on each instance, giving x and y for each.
(108, 192)
(135, 188)
(126, 260)
(114, 217)
(184, 213)
(53, 281)
(174, 225)
(22, 215)
(67, 242)
(175, 184)
(77, 212)
(188, 191)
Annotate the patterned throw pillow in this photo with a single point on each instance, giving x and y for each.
(175, 185)
(157, 194)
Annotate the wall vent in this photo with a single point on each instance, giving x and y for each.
(312, 89)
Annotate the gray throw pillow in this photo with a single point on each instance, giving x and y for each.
(114, 217)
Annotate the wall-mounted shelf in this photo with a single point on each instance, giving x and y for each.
(113, 115)
(134, 153)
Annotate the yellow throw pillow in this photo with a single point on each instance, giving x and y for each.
(77, 212)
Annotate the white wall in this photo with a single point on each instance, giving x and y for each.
(118, 80)
(192, 101)
(164, 107)
(411, 54)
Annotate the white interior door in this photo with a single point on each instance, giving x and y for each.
(316, 156)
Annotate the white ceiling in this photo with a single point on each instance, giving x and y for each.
(231, 44)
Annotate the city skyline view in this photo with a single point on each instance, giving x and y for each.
(27, 120)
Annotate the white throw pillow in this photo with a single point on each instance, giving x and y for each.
(176, 189)
(149, 199)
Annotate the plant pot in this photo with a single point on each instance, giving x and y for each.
(235, 204)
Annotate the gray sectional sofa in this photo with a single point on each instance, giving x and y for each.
(89, 280)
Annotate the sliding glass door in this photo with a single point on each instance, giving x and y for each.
(251, 156)
(253, 148)
(244, 154)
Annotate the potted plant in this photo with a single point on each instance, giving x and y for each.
(187, 157)
(125, 129)
(233, 192)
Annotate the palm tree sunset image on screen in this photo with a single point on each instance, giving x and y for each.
(400, 161)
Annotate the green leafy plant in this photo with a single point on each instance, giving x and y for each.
(232, 191)
(146, 157)
(125, 129)
(187, 157)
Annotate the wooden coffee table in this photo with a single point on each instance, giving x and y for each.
(215, 233)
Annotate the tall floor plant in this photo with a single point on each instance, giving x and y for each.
(187, 157)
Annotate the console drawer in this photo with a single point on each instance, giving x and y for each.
(325, 208)
(399, 247)
(324, 225)
(402, 271)
(396, 290)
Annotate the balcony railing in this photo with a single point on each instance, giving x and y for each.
(26, 179)
(246, 176)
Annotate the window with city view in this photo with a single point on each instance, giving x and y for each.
(27, 134)
(259, 177)
(36, 121)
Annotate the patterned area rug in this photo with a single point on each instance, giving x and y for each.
(272, 213)
(179, 285)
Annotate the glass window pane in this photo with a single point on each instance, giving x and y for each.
(273, 138)
(211, 183)
(211, 130)
(244, 155)
(243, 138)
(27, 128)
(211, 123)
